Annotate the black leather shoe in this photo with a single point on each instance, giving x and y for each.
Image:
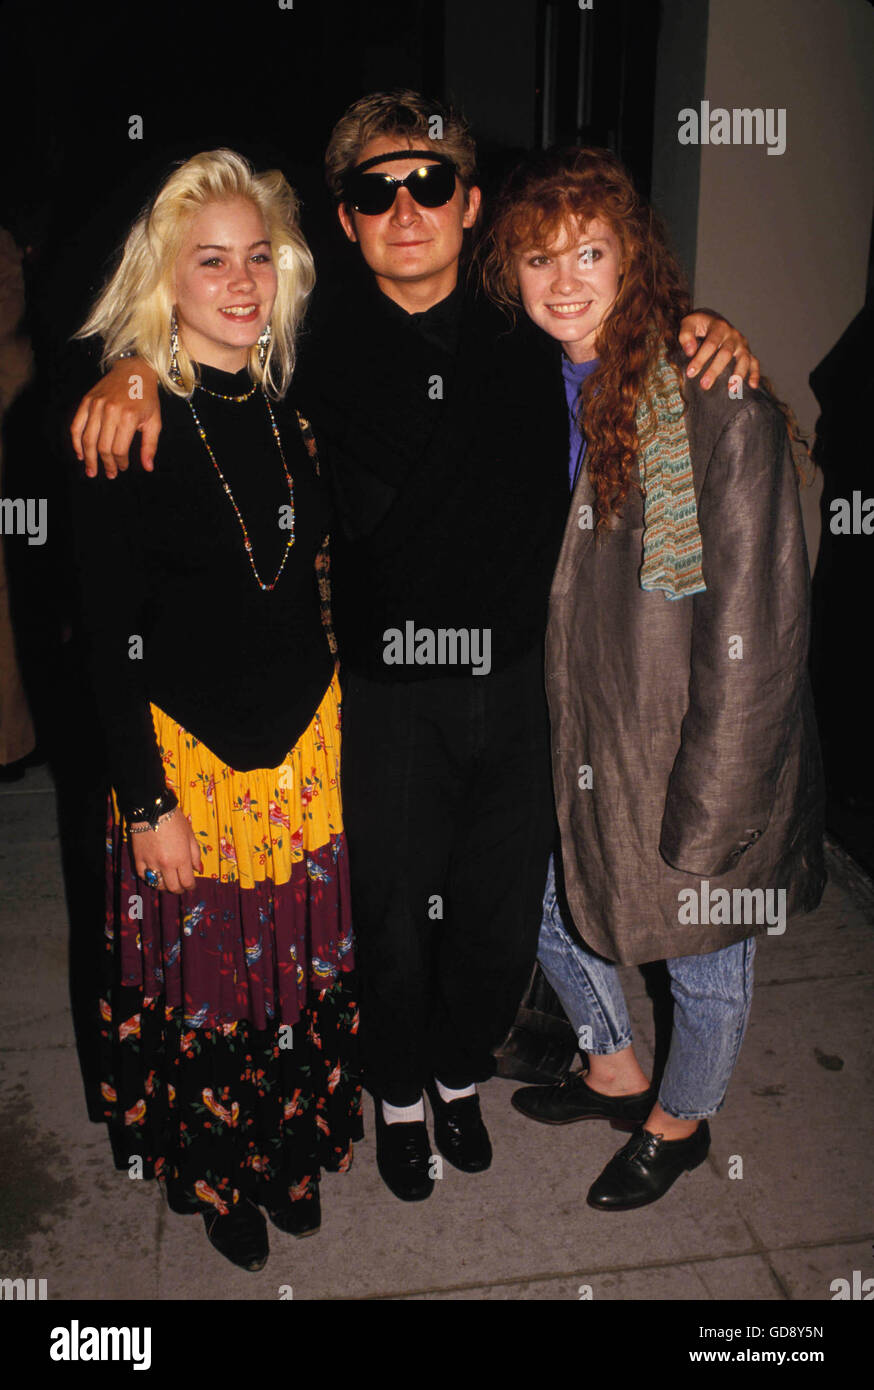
(646, 1167)
(572, 1099)
(403, 1157)
(459, 1132)
(240, 1235)
(301, 1218)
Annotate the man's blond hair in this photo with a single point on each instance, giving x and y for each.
(404, 113)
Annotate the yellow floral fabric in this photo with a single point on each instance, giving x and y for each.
(256, 825)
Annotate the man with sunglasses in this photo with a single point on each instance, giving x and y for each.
(444, 432)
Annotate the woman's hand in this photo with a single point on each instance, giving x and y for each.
(171, 851)
(108, 418)
(722, 343)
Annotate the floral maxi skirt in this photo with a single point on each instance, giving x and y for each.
(228, 1015)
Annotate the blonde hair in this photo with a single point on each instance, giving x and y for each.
(134, 310)
(404, 113)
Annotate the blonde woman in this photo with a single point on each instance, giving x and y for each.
(228, 1015)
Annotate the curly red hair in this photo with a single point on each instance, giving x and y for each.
(545, 197)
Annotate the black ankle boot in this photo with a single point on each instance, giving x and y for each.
(241, 1235)
(301, 1218)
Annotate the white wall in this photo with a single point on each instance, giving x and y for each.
(782, 240)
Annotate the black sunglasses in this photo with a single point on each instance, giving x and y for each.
(431, 186)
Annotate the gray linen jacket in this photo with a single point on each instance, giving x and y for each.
(704, 761)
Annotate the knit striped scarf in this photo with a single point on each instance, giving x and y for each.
(671, 539)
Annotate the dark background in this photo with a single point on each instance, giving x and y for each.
(270, 83)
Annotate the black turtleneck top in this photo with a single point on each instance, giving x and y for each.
(162, 558)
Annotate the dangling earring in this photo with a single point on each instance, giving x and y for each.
(175, 374)
(264, 344)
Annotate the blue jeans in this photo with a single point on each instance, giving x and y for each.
(712, 996)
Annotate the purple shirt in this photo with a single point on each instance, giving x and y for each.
(574, 374)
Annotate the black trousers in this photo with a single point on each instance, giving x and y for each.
(448, 810)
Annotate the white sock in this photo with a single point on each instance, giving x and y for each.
(403, 1114)
(447, 1095)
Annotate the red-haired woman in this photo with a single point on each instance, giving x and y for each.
(685, 756)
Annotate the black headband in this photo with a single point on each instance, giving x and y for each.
(399, 154)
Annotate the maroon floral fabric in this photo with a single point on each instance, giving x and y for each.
(221, 952)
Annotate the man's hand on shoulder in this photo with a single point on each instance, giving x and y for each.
(722, 344)
(123, 403)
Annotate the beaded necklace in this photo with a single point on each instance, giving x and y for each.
(219, 397)
(248, 544)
